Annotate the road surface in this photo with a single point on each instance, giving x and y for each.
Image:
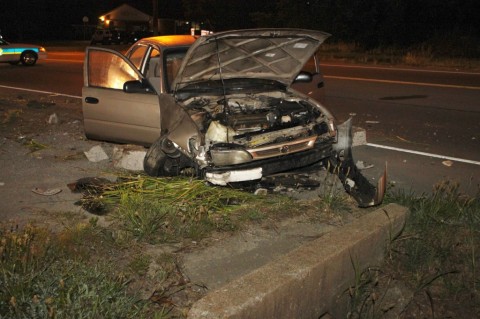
(424, 123)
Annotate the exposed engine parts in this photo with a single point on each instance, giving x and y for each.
(255, 120)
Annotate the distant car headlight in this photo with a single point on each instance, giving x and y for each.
(222, 157)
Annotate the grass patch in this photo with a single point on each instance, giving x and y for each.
(436, 258)
(333, 198)
(158, 210)
(40, 277)
(33, 145)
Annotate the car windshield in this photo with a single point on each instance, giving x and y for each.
(229, 86)
(3, 42)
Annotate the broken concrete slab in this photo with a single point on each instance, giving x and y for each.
(359, 136)
(129, 157)
(309, 281)
(96, 154)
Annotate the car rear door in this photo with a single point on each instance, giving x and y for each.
(111, 114)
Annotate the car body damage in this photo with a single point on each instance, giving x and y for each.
(353, 181)
(226, 112)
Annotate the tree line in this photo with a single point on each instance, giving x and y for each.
(370, 23)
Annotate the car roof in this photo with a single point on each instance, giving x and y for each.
(170, 40)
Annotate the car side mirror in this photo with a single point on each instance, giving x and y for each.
(303, 77)
(135, 86)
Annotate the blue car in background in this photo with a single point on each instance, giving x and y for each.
(27, 54)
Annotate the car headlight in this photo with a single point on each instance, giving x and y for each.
(42, 49)
(229, 157)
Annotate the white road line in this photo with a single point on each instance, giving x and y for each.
(455, 159)
(38, 91)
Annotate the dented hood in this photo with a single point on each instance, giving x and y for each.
(272, 54)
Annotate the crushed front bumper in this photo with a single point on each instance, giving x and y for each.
(352, 179)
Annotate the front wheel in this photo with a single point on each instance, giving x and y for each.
(28, 58)
(164, 159)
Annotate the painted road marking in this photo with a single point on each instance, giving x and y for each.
(455, 159)
(404, 82)
(38, 91)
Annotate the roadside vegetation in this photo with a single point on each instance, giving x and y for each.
(432, 267)
(424, 55)
(123, 263)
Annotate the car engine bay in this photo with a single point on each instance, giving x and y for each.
(253, 120)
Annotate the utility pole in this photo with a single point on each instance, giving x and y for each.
(155, 17)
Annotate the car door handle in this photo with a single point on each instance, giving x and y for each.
(91, 100)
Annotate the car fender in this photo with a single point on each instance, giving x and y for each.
(176, 123)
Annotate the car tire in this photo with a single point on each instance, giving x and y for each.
(28, 58)
(164, 159)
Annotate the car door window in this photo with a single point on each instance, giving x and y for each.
(152, 70)
(137, 54)
(107, 69)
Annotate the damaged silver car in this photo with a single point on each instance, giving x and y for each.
(220, 107)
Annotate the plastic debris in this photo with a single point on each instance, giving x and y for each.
(447, 163)
(261, 191)
(361, 165)
(46, 192)
(53, 119)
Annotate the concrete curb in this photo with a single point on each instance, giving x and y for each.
(308, 282)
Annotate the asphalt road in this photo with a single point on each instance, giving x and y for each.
(430, 118)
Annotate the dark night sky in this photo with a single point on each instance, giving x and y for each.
(50, 19)
(372, 23)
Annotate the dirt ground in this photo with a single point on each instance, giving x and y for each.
(41, 151)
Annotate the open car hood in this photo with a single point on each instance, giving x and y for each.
(273, 54)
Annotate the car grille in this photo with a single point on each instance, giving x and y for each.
(283, 148)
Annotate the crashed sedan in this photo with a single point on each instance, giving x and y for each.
(220, 107)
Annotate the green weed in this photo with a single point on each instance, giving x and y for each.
(332, 194)
(34, 146)
(436, 255)
(39, 278)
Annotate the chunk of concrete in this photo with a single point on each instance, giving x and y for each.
(359, 136)
(96, 154)
(310, 281)
(129, 157)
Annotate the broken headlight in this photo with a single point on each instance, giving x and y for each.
(224, 154)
